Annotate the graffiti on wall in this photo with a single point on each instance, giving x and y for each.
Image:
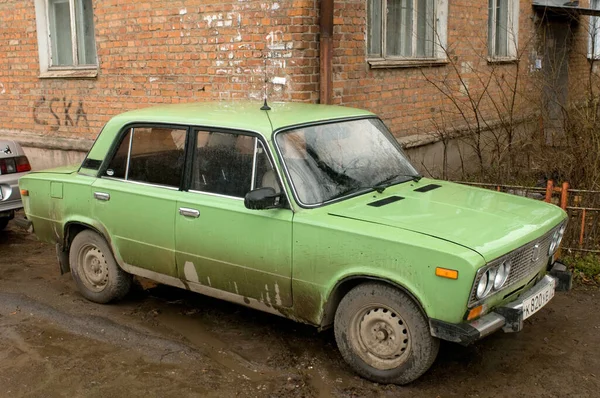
(56, 112)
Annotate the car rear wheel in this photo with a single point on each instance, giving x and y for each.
(3, 222)
(383, 335)
(95, 271)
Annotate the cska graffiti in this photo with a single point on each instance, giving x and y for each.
(61, 113)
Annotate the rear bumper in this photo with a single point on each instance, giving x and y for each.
(509, 317)
(10, 206)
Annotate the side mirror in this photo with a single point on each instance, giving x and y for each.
(262, 198)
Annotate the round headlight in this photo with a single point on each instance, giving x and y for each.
(502, 274)
(554, 243)
(561, 233)
(485, 284)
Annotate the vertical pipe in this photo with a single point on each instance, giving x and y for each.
(326, 52)
(582, 232)
(564, 195)
(549, 188)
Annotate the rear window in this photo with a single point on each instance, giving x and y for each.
(153, 155)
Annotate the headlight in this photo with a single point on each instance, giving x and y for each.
(484, 287)
(502, 274)
(556, 239)
(561, 233)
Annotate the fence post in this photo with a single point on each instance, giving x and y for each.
(582, 230)
(564, 196)
(549, 189)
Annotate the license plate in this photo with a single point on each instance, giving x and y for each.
(535, 302)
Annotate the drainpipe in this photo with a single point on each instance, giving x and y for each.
(326, 52)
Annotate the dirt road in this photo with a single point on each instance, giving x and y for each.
(163, 342)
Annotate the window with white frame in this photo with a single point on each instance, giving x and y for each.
(406, 29)
(594, 41)
(503, 29)
(66, 34)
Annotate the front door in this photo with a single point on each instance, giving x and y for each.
(135, 198)
(221, 245)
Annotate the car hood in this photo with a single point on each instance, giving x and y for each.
(489, 222)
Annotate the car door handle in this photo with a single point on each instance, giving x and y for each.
(186, 212)
(102, 196)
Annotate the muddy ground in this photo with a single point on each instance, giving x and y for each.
(164, 342)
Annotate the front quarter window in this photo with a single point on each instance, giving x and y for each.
(334, 160)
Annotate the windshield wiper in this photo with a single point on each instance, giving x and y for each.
(382, 185)
(379, 187)
(350, 191)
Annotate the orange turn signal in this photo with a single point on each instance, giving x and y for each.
(24, 192)
(475, 313)
(446, 273)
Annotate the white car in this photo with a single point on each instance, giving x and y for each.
(13, 165)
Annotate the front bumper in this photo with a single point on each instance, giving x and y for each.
(509, 317)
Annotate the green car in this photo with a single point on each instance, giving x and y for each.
(310, 212)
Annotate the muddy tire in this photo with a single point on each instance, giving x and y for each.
(3, 222)
(95, 271)
(383, 335)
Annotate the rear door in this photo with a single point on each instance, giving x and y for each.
(135, 198)
(220, 243)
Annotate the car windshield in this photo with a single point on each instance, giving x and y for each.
(333, 160)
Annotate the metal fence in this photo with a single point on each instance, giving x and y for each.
(582, 206)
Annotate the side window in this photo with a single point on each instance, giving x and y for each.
(153, 155)
(223, 163)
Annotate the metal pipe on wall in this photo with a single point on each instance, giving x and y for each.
(326, 52)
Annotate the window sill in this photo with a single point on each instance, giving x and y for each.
(502, 60)
(405, 63)
(69, 74)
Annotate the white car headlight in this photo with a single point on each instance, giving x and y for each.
(556, 239)
(502, 274)
(486, 283)
(561, 234)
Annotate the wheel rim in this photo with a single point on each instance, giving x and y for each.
(380, 337)
(93, 268)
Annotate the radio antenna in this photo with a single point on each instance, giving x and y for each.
(266, 106)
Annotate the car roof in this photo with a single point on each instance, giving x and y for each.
(239, 115)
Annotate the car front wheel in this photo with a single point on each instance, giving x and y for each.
(383, 335)
(95, 271)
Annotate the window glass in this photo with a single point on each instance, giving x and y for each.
(409, 28)
(64, 28)
(265, 174)
(156, 156)
(86, 46)
(333, 160)
(374, 23)
(60, 32)
(500, 28)
(223, 163)
(594, 41)
(118, 164)
(399, 27)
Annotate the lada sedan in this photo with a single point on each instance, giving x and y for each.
(310, 212)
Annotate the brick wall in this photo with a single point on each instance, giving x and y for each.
(407, 97)
(159, 51)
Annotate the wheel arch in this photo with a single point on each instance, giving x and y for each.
(70, 230)
(343, 286)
